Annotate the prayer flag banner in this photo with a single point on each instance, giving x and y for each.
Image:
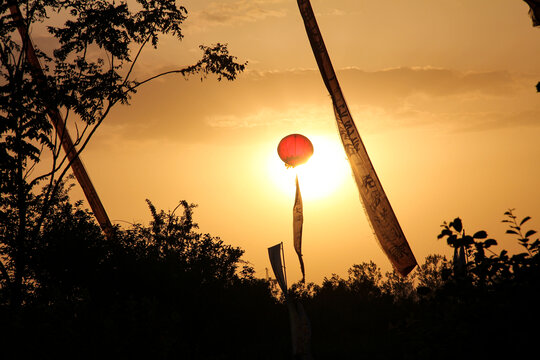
(300, 329)
(274, 253)
(379, 212)
(298, 221)
(299, 322)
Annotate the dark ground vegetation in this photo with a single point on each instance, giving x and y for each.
(166, 291)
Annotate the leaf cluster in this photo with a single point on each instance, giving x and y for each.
(524, 239)
(456, 237)
(485, 269)
(91, 85)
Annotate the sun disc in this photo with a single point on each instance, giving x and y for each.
(322, 175)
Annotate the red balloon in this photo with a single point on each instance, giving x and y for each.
(295, 149)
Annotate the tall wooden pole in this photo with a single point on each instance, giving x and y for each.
(60, 126)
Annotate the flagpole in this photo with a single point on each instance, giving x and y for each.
(59, 124)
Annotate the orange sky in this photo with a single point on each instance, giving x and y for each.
(443, 93)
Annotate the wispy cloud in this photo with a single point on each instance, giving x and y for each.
(406, 81)
(333, 12)
(379, 100)
(268, 117)
(236, 12)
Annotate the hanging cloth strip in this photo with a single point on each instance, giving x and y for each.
(298, 221)
(383, 221)
(298, 319)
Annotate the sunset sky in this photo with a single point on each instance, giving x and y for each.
(442, 92)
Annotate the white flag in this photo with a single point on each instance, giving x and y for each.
(298, 221)
(299, 322)
(300, 330)
(379, 212)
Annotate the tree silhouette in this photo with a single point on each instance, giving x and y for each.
(160, 290)
(89, 73)
(166, 290)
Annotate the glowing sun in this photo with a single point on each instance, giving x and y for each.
(320, 176)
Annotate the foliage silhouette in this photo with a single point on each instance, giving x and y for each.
(165, 290)
(89, 73)
(161, 290)
(441, 310)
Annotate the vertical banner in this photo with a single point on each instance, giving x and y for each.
(379, 212)
(298, 221)
(300, 330)
(298, 320)
(274, 253)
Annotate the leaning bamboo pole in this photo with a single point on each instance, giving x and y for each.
(60, 126)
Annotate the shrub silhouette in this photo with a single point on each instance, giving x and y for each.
(165, 290)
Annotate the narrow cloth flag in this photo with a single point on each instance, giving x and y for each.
(298, 221)
(300, 330)
(534, 11)
(274, 253)
(298, 320)
(379, 212)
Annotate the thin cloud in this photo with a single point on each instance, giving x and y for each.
(194, 111)
(499, 120)
(406, 81)
(332, 12)
(235, 13)
(280, 117)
